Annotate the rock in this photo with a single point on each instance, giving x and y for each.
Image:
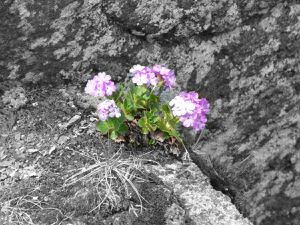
(51, 150)
(3, 177)
(73, 120)
(6, 163)
(202, 204)
(243, 56)
(86, 101)
(175, 215)
(31, 137)
(32, 150)
(15, 98)
(62, 139)
(18, 136)
(254, 125)
(156, 210)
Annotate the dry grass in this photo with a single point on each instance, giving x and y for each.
(16, 211)
(107, 175)
(114, 180)
(15, 214)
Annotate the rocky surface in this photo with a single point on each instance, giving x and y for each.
(243, 56)
(203, 204)
(52, 136)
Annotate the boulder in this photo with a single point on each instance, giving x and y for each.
(243, 56)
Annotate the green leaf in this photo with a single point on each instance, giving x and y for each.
(139, 90)
(119, 125)
(126, 111)
(103, 127)
(151, 142)
(142, 123)
(122, 128)
(113, 135)
(168, 123)
(148, 122)
(154, 99)
(113, 126)
(166, 110)
(118, 94)
(129, 117)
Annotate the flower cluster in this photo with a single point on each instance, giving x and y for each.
(167, 75)
(143, 75)
(100, 86)
(140, 106)
(108, 108)
(152, 76)
(190, 109)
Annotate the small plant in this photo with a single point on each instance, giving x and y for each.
(137, 103)
(108, 175)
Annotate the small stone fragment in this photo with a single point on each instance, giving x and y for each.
(52, 149)
(6, 163)
(175, 215)
(73, 120)
(3, 176)
(15, 97)
(30, 137)
(32, 150)
(18, 136)
(62, 139)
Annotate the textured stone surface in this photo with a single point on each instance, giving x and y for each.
(244, 56)
(202, 203)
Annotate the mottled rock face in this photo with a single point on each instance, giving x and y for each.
(243, 56)
(254, 128)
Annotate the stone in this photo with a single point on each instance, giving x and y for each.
(175, 215)
(18, 136)
(15, 98)
(62, 139)
(72, 121)
(243, 56)
(201, 203)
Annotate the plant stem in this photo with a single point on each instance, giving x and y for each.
(200, 136)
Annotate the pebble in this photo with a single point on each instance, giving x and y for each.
(62, 139)
(18, 136)
(30, 137)
(73, 120)
(32, 150)
(6, 163)
(3, 176)
(52, 149)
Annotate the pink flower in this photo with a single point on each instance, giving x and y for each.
(143, 75)
(140, 79)
(190, 109)
(108, 108)
(100, 86)
(136, 69)
(167, 75)
(151, 76)
(181, 106)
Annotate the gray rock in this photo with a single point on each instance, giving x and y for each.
(73, 120)
(202, 204)
(175, 215)
(241, 55)
(15, 98)
(62, 139)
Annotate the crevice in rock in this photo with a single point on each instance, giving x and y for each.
(218, 182)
